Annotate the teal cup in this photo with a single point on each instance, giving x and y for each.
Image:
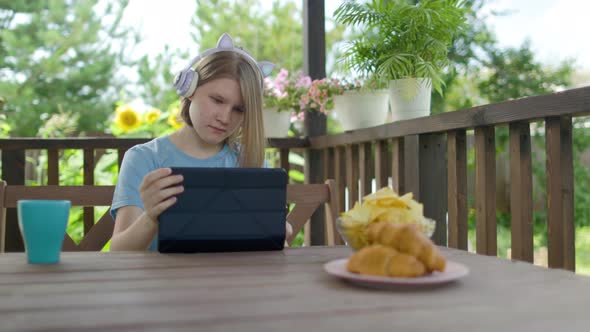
(43, 227)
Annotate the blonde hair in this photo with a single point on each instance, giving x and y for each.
(248, 140)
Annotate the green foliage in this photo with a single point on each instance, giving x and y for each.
(4, 126)
(481, 72)
(253, 28)
(299, 239)
(582, 242)
(583, 250)
(581, 143)
(484, 73)
(514, 73)
(156, 77)
(60, 57)
(400, 39)
(274, 36)
(466, 56)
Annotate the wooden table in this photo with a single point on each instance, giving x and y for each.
(278, 291)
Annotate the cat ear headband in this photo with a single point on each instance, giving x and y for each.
(186, 81)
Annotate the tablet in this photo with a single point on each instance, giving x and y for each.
(226, 209)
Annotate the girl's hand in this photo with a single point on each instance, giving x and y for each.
(288, 230)
(158, 190)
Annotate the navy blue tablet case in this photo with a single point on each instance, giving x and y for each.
(226, 209)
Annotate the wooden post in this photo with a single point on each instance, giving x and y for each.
(13, 172)
(521, 191)
(485, 191)
(365, 165)
(381, 156)
(433, 182)
(457, 189)
(340, 176)
(398, 165)
(89, 164)
(411, 166)
(560, 193)
(314, 62)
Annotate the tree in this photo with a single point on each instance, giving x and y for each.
(61, 58)
(156, 77)
(513, 73)
(466, 57)
(274, 34)
(482, 72)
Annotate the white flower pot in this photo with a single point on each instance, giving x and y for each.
(355, 110)
(410, 98)
(276, 124)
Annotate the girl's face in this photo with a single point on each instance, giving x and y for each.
(216, 110)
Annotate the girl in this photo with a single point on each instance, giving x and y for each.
(222, 111)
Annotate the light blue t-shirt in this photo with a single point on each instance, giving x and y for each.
(157, 153)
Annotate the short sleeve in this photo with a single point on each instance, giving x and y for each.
(136, 164)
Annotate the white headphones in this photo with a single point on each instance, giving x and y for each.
(186, 81)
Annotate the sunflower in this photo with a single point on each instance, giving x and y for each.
(152, 116)
(127, 118)
(173, 119)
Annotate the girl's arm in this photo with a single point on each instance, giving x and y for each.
(135, 228)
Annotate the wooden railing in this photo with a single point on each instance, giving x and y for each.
(14, 150)
(426, 156)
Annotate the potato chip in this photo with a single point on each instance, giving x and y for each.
(382, 205)
(412, 204)
(386, 198)
(382, 193)
(391, 203)
(360, 213)
(397, 216)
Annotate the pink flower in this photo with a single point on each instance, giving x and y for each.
(278, 93)
(302, 81)
(298, 93)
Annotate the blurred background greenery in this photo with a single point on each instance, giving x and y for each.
(66, 66)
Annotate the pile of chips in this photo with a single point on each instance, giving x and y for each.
(383, 205)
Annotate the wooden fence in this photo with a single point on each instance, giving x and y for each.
(426, 156)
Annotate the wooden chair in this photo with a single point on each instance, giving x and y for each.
(305, 197)
(97, 236)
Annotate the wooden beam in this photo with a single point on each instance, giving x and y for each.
(433, 182)
(13, 172)
(575, 102)
(457, 188)
(485, 191)
(314, 64)
(560, 193)
(398, 165)
(521, 192)
(314, 38)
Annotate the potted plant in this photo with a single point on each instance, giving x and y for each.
(360, 104)
(404, 43)
(282, 101)
(319, 98)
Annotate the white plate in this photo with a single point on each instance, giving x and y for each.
(453, 271)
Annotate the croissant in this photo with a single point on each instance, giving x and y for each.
(380, 260)
(407, 239)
